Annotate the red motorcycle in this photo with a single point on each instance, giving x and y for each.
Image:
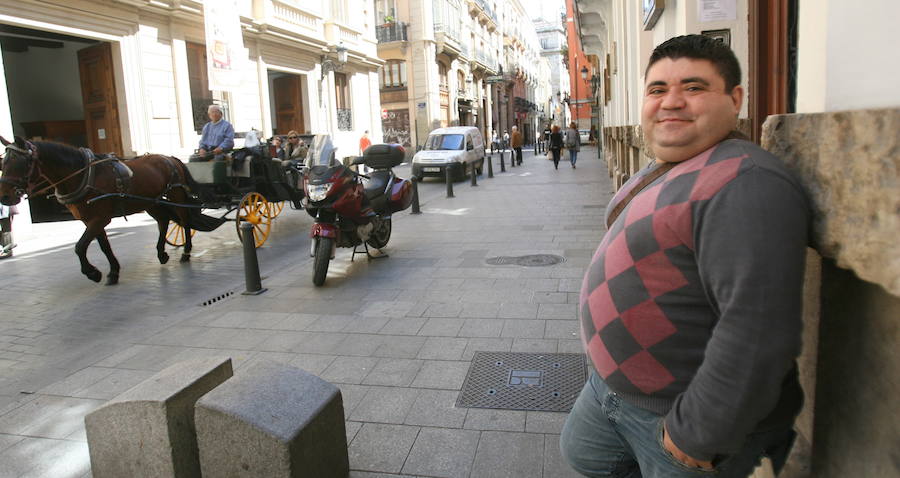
(352, 209)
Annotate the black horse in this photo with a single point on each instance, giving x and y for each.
(78, 177)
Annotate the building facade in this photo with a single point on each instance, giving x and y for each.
(813, 75)
(448, 62)
(580, 69)
(131, 77)
(554, 47)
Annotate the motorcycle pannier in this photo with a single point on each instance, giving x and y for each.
(384, 156)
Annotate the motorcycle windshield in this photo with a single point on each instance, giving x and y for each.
(321, 152)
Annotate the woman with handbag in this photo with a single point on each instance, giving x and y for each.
(556, 144)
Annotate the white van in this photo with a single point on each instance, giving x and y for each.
(458, 148)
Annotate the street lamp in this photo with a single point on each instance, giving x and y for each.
(330, 64)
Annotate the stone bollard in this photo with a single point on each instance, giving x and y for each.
(251, 263)
(148, 431)
(449, 178)
(273, 420)
(415, 200)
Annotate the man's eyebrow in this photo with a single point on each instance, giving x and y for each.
(695, 79)
(656, 83)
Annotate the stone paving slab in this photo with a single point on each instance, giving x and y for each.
(397, 336)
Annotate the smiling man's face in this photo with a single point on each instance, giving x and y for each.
(686, 108)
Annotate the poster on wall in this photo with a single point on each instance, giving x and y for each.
(716, 10)
(224, 44)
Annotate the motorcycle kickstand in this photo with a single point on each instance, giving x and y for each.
(369, 255)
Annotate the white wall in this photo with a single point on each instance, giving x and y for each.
(862, 64)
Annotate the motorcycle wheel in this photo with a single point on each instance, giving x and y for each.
(381, 234)
(321, 259)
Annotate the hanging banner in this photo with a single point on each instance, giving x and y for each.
(224, 44)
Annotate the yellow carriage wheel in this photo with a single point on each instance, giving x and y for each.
(175, 234)
(275, 208)
(255, 210)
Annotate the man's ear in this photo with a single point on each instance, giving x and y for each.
(737, 97)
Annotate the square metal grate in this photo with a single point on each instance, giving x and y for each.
(523, 381)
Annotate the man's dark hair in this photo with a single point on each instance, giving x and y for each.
(700, 47)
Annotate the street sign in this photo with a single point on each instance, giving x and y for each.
(384, 114)
(493, 79)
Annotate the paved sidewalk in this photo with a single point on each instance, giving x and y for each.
(396, 335)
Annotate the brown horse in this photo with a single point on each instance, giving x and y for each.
(78, 177)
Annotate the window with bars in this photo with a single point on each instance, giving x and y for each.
(342, 102)
(393, 74)
(201, 95)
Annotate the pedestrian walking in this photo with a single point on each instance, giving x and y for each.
(364, 142)
(556, 144)
(517, 142)
(505, 140)
(6, 237)
(572, 142)
(691, 307)
(546, 136)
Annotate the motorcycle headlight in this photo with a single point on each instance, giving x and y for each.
(317, 192)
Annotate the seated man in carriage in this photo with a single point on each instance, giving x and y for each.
(216, 139)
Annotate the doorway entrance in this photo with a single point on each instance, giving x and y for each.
(286, 102)
(60, 88)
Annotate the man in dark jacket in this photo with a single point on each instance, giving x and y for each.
(691, 308)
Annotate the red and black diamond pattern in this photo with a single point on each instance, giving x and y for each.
(639, 292)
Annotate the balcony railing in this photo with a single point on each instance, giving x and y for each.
(391, 32)
(450, 31)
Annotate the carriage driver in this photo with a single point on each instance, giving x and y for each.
(217, 136)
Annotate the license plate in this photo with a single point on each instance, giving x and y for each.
(431, 170)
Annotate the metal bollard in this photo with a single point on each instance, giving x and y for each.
(502, 164)
(449, 179)
(490, 163)
(415, 200)
(251, 264)
(474, 176)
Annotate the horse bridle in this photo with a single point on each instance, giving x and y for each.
(21, 185)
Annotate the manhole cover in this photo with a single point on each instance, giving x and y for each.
(531, 260)
(523, 381)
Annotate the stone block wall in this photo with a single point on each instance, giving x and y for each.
(849, 163)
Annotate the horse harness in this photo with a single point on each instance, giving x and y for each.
(121, 171)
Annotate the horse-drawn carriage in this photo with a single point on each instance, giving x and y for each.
(251, 183)
(97, 188)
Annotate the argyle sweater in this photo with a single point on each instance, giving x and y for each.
(691, 307)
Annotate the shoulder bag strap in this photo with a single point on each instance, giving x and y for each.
(644, 182)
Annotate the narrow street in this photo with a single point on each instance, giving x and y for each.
(404, 327)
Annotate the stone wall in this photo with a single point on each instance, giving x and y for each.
(848, 163)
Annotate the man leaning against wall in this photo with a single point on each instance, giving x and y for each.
(691, 308)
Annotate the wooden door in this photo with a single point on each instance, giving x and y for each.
(98, 93)
(772, 62)
(288, 106)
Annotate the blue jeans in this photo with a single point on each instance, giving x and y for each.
(573, 156)
(604, 436)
